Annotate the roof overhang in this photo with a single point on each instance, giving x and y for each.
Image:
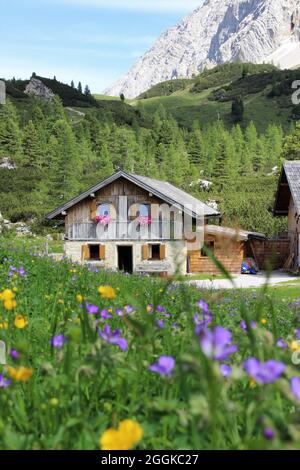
(61, 210)
(232, 233)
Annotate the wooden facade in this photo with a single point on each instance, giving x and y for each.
(124, 199)
(229, 252)
(287, 204)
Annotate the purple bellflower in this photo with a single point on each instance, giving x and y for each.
(113, 337)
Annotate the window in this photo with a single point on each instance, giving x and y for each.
(103, 216)
(144, 210)
(103, 210)
(210, 245)
(94, 252)
(143, 217)
(154, 252)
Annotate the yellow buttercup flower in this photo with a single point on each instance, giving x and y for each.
(61, 301)
(10, 304)
(107, 292)
(4, 325)
(132, 429)
(295, 346)
(21, 374)
(20, 322)
(264, 321)
(111, 440)
(128, 435)
(7, 294)
(79, 298)
(252, 383)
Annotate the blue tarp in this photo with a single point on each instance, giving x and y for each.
(249, 266)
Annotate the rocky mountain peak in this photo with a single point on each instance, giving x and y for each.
(217, 32)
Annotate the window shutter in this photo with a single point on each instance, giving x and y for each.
(162, 251)
(102, 252)
(93, 209)
(145, 252)
(85, 252)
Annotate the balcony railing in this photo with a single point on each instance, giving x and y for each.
(124, 230)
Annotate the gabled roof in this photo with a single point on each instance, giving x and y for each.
(163, 190)
(288, 186)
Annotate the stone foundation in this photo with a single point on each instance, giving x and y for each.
(175, 260)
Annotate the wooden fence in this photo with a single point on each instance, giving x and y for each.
(269, 253)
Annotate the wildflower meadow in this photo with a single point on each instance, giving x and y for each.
(96, 360)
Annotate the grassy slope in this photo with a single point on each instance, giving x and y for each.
(187, 107)
(197, 100)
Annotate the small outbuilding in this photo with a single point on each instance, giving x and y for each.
(230, 246)
(287, 204)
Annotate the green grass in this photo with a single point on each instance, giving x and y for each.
(197, 99)
(286, 292)
(79, 391)
(187, 107)
(100, 97)
(34, 245)
(203, 277)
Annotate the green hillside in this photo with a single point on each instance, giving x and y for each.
(76, 102)
(265, 91)
(231, 126)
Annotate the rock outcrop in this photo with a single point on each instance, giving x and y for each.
(20, 228)
(7, 163)
(37, 88)
(219, 31)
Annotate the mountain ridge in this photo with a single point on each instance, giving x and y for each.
(217, 32)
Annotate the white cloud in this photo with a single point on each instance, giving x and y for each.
(140, 5)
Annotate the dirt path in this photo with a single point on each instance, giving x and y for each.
(246, 281)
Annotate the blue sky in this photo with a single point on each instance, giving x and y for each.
(95, 41)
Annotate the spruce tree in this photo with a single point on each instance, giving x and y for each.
(237, 109)
(67, 170)
(32, 150)
(291, 144)
(196, 148)
(10, 134)
(106, 167)
(87, 91)
(222, 169)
